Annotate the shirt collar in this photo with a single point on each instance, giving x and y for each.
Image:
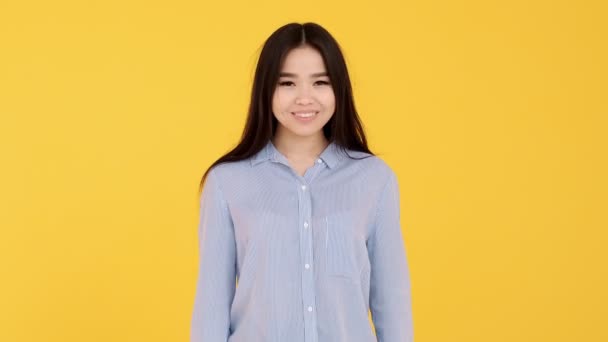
(331, 155)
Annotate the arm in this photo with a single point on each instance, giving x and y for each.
(390, 299)
(217, 266)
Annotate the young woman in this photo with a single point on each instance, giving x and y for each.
(299, 233)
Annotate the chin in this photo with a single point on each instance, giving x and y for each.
(306, 132)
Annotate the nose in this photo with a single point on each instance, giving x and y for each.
(304, 96)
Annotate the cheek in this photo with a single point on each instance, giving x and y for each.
(328, 99)
(279, 100)
(276, 103)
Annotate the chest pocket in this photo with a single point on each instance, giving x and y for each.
(340, 246)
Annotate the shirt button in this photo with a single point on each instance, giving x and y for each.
(310, 308)
(307, 266)
(303, 187)
(319, 161)
(305, 224)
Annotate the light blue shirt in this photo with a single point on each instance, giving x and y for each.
(290, 258)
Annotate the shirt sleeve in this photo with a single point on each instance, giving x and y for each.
(390, 298)
(216, 281)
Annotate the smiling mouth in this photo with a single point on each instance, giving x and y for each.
(305, 115)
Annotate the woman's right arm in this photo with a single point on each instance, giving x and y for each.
(217, 266)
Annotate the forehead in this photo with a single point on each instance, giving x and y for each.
(303, 60)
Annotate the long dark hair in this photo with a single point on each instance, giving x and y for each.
(344, 128)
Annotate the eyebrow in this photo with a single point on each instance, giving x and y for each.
(288, 74)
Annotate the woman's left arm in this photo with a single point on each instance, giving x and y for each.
(390, 298)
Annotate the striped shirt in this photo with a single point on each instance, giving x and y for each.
(291, 258)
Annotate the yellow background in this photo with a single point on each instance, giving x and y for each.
(493, 115)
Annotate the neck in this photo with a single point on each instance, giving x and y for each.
(300, 148)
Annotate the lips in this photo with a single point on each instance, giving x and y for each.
(305, 114)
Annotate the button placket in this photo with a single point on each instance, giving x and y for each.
(306, 250)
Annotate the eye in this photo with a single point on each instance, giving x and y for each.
(284, 83)
(323, 82)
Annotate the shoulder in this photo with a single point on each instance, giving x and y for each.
(223, 172)
(368, 163)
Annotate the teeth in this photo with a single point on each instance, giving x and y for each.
(305, 115)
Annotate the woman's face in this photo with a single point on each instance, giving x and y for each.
(303, 100)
